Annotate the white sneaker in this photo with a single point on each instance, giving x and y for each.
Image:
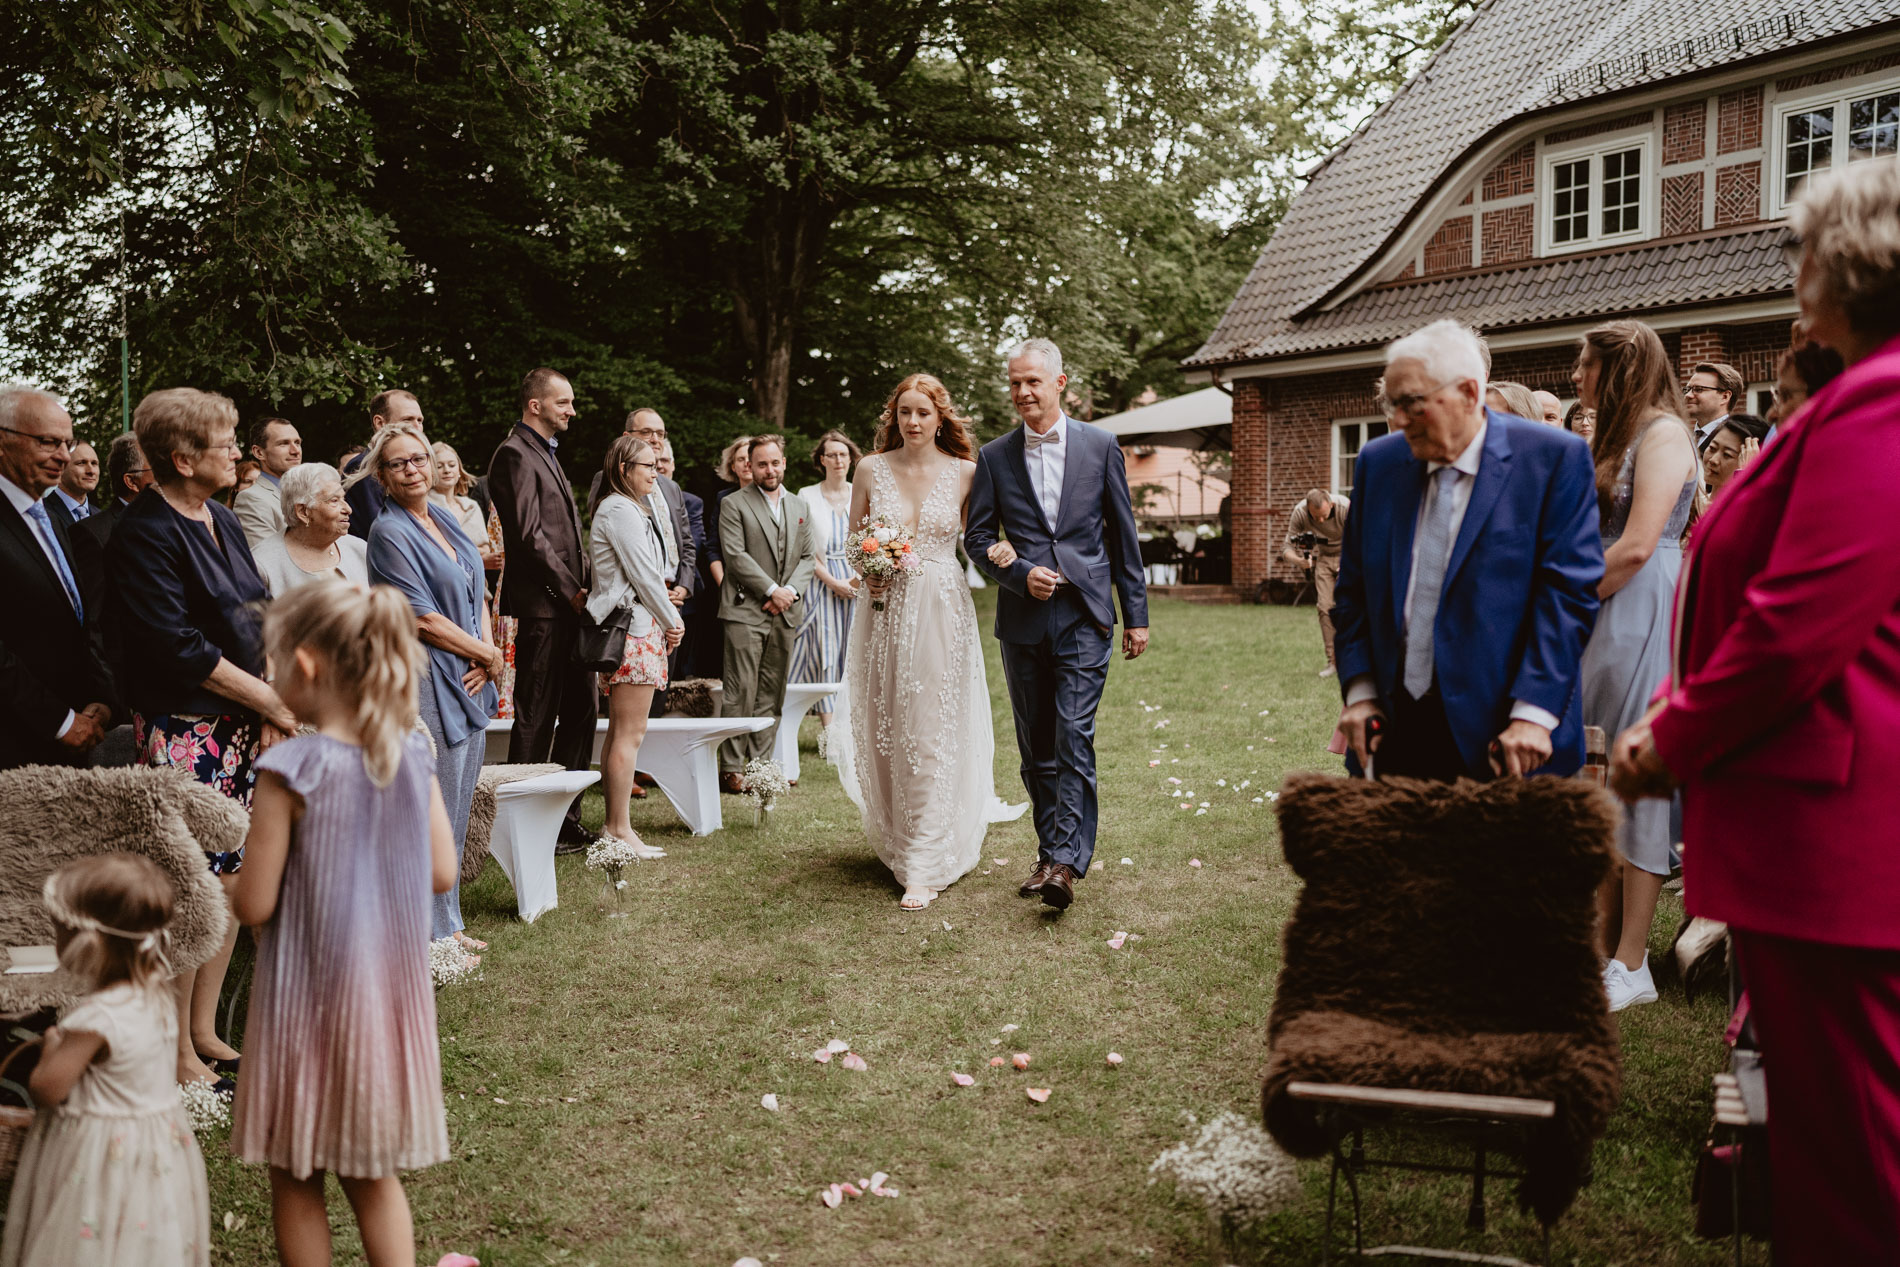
(1627, 988)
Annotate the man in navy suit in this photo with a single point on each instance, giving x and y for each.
(1059, 489)
(1467, 579)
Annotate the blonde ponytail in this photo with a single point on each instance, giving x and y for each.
(368, 642)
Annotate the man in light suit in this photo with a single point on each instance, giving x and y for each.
(1467, 579)
(260, 508)
(769, 559)
(1059, 489)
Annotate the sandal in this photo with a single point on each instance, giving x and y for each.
(916, 899)
(469, 943)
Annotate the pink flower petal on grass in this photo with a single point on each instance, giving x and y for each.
(1011, 1028)
(877, 1181)
(1195, 863)
(1039, 1094)
(837, 1046)
(833, 1197)
(852, 1189)
(1114, 1058)
(854, 1061)
(996, 1062)
(822, 1056)
(963, 1079)
(1020, 1060)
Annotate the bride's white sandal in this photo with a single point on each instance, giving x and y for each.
(917, 899)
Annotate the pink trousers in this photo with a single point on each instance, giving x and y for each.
(1829, 1021)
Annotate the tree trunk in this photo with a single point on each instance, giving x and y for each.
(769, 277)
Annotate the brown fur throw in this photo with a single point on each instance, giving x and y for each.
(1445, 940)
(692, 697)
(50, 815)
(481, 812)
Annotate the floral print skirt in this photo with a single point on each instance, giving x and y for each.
(218, 751)
(643, 663)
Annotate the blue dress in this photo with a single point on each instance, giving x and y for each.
(818, 652)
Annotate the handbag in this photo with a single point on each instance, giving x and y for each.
(601, 647)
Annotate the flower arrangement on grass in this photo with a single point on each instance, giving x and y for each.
(881, 547)
(613, 856)
(208, 1108)
(449, 962)
(1234, 1170)
(764, 782)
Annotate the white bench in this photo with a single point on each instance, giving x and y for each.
(681, 753)
(528, 816)
(799, 698)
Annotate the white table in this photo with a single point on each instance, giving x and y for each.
(799, 698)
(681, 753)
(528, 816)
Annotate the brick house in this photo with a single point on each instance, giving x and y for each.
(1555, 164)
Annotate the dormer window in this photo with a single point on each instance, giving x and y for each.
(1596, 194)
(1815, 135)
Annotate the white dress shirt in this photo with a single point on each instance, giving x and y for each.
(1047, 462)
(22, 502)
(1466, 464)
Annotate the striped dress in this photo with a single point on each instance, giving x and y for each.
(818, 654)
(341, 1070)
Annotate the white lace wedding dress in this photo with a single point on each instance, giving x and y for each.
(919, 748)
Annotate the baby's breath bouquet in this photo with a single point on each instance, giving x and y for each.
(1234, 1170)
(449, 962)
(764, 782)
(612, 855)
(208, 1108)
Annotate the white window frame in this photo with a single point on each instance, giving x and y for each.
(1759, 399)
(1338, 450)
(1649, 204)
(1839, 96)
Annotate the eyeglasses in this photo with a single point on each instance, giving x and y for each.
(1696, 389)
(48, 444)
(651, 466)
(419, 462)
(1412, 402)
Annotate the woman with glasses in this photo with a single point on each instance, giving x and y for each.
(418, 547)
(184, 639)
(630, 576)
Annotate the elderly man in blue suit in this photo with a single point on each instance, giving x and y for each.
(1058, 489)
(1467, 578)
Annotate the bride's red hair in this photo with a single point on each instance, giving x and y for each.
(953, 431)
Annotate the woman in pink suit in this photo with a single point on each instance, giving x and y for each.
(1782, 726)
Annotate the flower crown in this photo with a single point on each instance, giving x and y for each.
(156, 940)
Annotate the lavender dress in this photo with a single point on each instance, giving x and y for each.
(341, 1070)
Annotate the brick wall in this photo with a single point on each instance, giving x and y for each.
(1248, 485)
(1699, 346)
(1515, 175)
(1450, 247)
(1681, 204)
(1738, 120)
(1508, 234)
(1685, 132)
(1738, 194)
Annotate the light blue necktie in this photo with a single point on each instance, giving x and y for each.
(44, 526)
(1428, 583)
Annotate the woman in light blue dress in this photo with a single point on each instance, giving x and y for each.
(818, 654)
(1646, 488)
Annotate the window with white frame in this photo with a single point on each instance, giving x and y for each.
(1349, 436)
(1817, 134)
(1598, 194)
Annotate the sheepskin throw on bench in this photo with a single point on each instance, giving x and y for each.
(1445, 940)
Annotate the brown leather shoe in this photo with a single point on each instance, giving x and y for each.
(732, 783)
(1059, 889)
(1037, 878)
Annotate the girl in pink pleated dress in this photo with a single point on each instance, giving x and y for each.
(349, 838)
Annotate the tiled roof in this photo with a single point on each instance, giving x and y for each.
(1729, 266)
(1511, 58)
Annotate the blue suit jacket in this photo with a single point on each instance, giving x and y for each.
(1520, 592)
(1093, 545)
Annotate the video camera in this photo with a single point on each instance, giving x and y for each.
(1304, 540)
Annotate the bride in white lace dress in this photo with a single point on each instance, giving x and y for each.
(920, 754)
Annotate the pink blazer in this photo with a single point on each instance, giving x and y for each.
(1784, 716)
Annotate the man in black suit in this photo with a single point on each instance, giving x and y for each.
(127, 474)
(544, 586)
(54, 684)
(70, 500)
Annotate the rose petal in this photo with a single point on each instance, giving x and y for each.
(769, 1101)
(1194, 862)
(1153, 764)
(1011, 1028)
(1020, 1060)
(877, 1180)
(889, 1192)
(1039, 1094)
(854, 1061)
(833, 1197)
(1128, 862)
(837, 1045)
(996, 1062)
(963, 1079)
(852, 1189)
(822, 1056)
(946, 926)
(748, 1261)
(1115, 942)
(1114, 1058)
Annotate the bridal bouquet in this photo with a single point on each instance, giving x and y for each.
(881, 547)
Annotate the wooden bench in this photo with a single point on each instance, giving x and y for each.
(681, 753)
(799, 699)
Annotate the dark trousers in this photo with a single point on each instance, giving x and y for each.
(1054, 688)
(1829, 1021)
(555, 698)
(1417, 743)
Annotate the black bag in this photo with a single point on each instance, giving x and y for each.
(601, 647)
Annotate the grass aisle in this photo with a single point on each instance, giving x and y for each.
(604, 1076)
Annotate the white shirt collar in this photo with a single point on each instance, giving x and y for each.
(1708, 428)
(1465, 463)
(18, 497)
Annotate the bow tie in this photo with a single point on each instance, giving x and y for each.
(1033, 441)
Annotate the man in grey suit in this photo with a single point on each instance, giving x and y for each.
(260, 508)
(768, 555)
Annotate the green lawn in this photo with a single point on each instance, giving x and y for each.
(604, 1075)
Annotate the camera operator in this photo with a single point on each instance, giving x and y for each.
(1313, 533)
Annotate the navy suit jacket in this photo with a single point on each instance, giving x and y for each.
(1520, 593)
(1092, 544)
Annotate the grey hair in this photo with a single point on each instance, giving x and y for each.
(1046, 349)
(666, 447)
(302, 484)
(1448, 350)
(1849, 225)
(12, 395)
